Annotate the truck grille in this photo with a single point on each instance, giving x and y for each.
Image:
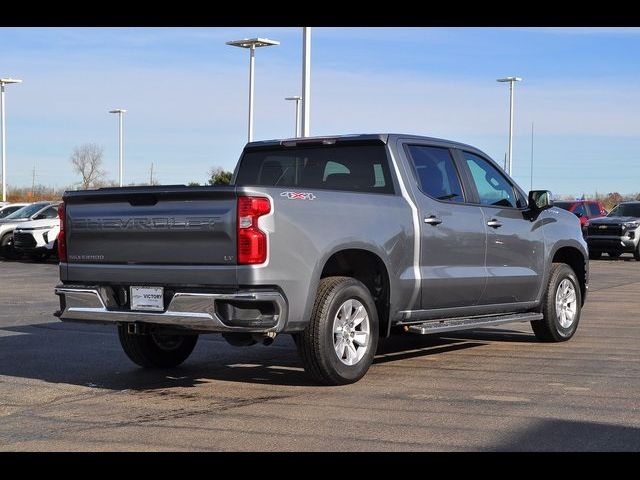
(605, 229)
(23, 240)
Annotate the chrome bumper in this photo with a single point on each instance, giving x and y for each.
(193, 311)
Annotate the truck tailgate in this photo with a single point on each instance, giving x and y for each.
(167, 225)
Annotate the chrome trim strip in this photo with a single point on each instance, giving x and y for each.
(416, 230)
(194, 311)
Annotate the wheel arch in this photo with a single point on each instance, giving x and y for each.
(367, 266)
(579, 262)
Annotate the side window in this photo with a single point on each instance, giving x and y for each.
(437, 175)
(521, 200)
(594, 209)
(51, 212)
(379, 175)
(332, 168)
(493, 188)
(580, 210)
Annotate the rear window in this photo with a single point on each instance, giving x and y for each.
(358, 168)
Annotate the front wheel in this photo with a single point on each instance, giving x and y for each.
(562, 303)
(340, 341)
(156, 351)
(636, 253)
(6, 246)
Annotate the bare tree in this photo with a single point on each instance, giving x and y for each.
(87, 162)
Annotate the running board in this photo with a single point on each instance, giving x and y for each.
(452, 324)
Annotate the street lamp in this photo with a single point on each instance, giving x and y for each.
(297, 98)
(252, 44)
(3, 82)
(119, 111)
(511, 81)
(306, 81)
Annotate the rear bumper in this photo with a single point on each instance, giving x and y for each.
(190, 311)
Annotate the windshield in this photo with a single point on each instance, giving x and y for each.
(626, 210)
(5, 212)
(26, 212)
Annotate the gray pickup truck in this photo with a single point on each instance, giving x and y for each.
(336, 240)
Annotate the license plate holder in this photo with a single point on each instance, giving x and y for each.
(149, 299)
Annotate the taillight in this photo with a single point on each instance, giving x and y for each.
(252, 242)
(62, 239)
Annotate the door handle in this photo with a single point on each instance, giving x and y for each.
(493, 223)
(432, 220)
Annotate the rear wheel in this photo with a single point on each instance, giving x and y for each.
(636, 253)
(594, 255)
(156, 351)
(562, 306)
(340, 341)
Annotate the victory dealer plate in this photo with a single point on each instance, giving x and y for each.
(147, 298)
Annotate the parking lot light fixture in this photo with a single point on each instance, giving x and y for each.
(511, 81)
(252, 44)
(297, 99)
(119, 111)
(3, 82)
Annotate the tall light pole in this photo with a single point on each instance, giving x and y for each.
(297, 98)
(511, 81)
(306, 80)
(252, 44)
(119, 111)
(3, 82)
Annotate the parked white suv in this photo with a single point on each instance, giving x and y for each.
(35, 211)
(38, 238)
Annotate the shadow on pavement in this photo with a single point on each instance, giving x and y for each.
(573, 436)
(90, 355)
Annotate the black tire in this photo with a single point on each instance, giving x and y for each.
(156, 351)
(549, 328)
(636, 253)
(6, 246)
(316, 343)
(614, 254)
(594, 255)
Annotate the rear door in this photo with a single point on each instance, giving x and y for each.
(453, 235)
(515, 245)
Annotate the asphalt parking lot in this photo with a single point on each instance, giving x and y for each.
(70, 386)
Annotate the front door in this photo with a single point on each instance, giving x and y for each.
(453, 235)
(515, 245)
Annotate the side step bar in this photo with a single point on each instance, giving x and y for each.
(452, 324)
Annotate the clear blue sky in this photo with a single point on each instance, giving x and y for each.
(186, 96)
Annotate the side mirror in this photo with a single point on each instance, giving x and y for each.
(540, 200)
(578, 214)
